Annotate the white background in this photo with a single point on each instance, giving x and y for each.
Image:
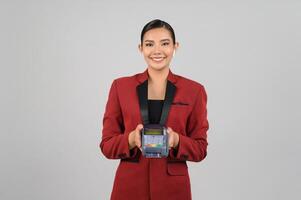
(58, 60)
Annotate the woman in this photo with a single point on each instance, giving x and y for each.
(139, 177)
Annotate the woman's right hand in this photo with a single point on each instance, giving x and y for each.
(135, 137)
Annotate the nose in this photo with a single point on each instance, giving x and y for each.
(157, 49)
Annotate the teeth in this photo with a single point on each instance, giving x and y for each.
(157, 59)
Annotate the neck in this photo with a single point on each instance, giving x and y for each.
(158, 76)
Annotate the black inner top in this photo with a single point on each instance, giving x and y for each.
(154, 110)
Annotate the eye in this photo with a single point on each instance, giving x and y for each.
(148, 44)
(165, 43)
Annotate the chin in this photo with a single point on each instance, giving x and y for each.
(158, 68)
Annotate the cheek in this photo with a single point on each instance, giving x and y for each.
(146, 58)
(169, 52)
(146, 54)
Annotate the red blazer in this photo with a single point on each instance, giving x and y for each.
(143, 178)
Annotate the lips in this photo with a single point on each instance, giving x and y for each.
(157, 59)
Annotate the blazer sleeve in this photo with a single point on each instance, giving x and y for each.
(114, 141)
(193, 147)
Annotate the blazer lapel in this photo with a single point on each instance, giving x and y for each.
(142, 92)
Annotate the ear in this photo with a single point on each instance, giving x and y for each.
(177, 45)
(140, 48)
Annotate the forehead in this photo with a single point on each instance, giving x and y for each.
(157, 34)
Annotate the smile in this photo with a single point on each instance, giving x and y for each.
(158, 59)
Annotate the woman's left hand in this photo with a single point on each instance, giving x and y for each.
(173, 138)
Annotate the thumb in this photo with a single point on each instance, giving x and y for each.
(138, 135)
(169, 130)
(139, 127)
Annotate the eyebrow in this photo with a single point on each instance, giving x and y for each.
(160, 40)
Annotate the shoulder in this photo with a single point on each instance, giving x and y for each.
(187, 83)
(181, 82)
(125, 81)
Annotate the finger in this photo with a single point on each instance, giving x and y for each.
(137, 142)
(169, 134)
(170, 140)
(138, 130)
(138, 135)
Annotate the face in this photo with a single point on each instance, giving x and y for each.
(158, 48)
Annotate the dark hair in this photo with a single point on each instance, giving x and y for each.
(157, 23)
